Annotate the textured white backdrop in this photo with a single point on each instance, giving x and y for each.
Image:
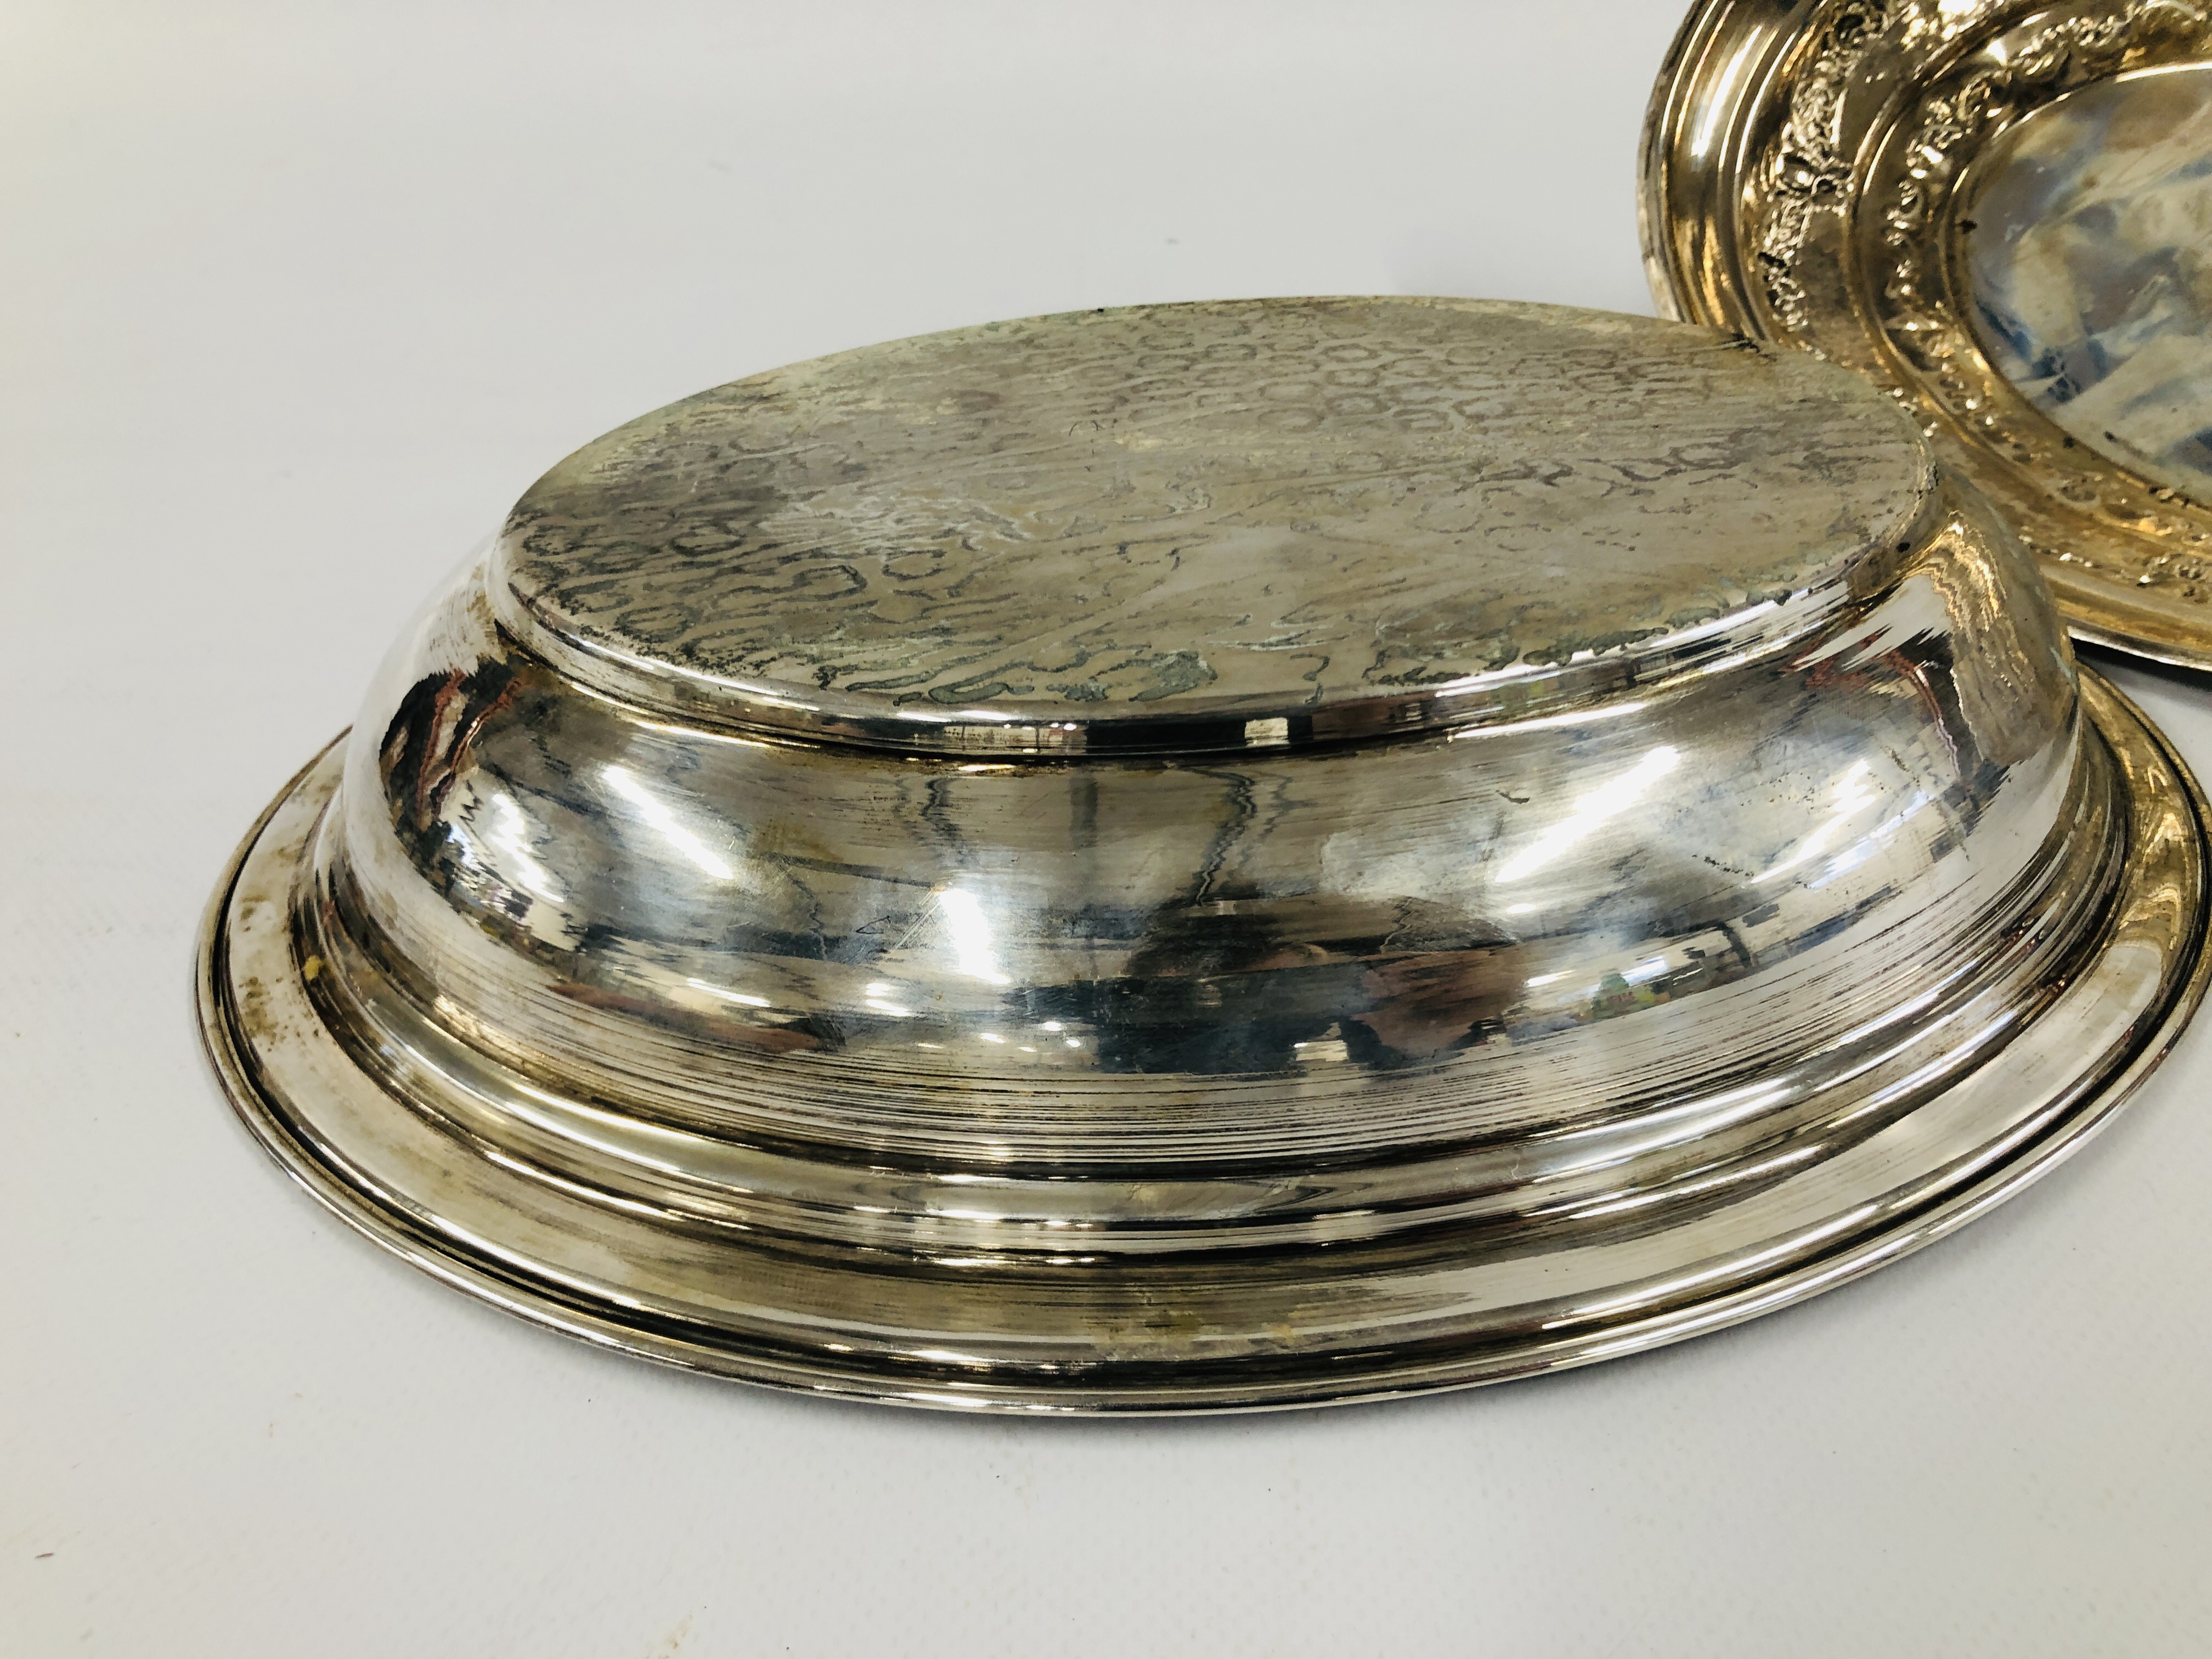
(293, 301)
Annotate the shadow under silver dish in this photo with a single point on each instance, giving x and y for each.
(1210, 857)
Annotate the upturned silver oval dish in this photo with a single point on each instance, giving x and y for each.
(1214, 856)
(1999, 212)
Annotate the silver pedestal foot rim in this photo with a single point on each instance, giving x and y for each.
(1227, 1332)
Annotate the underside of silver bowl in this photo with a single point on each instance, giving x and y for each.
(1212, 858)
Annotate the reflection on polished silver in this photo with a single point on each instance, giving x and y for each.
(1214, 856)
(1998, 210)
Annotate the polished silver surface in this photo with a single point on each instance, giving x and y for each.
(2086, 237)
(1995, 211)
(1088, 865)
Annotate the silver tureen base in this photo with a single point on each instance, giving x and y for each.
(1351, 1318)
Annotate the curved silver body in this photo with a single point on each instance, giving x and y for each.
(1229, 1057)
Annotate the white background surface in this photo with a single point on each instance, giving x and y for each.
(293, 301)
